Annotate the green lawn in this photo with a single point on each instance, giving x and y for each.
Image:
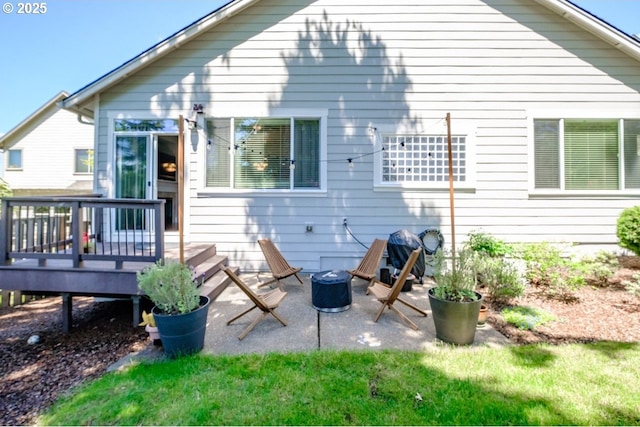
(596, 384)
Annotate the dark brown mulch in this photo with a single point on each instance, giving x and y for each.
(32, 377)
(595, 314)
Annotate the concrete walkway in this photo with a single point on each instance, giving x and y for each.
(309, 329)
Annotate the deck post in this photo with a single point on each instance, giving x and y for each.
(67, 318)
(5, 240)
(76, 232)
(136, 310)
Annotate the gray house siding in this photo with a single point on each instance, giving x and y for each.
(495, 65)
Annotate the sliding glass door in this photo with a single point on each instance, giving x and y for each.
(133, 178)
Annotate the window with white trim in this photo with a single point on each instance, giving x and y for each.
(263, 153)
(423, 159)
(83, 160)
(14, 159)
(590, 154)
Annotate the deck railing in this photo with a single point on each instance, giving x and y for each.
(81, 229)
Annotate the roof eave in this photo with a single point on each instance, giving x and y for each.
(601, 29)
(14, 131)
(78, 100)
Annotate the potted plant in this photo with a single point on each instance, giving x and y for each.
(149, 324)
(455, 304)
(180, 312)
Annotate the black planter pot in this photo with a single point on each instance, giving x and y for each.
(455, 321)
(183, 334)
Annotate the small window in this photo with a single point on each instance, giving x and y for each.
(14, 159)
(84, 161)
(422, 160)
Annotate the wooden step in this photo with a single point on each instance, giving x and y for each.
(194, 254)
(208, 267)
(216, 284)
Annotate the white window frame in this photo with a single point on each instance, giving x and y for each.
(75, 162)
(302, 113)
(15, 168)
(460, 130)
(564, 115)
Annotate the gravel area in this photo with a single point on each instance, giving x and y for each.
(33, 376)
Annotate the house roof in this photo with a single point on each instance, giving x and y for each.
(7, 137)
(81, 101)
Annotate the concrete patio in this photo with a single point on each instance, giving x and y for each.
(309, 329)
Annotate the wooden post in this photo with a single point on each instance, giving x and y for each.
(181, 186)
(451, 204)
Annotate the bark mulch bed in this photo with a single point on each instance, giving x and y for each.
(32, 377)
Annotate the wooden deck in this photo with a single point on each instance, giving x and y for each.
(42, 258)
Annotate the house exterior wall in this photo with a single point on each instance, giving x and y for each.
(48, 147)
(494, 65)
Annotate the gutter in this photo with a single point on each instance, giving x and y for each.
(596, 26)
(84, 95)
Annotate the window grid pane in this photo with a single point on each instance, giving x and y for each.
(591, 155)
(547, 153)
(262, 156)
(218, 153)
(422, 159)
(307, 154)
(632, 154)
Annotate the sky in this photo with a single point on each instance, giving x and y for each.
(71, 43)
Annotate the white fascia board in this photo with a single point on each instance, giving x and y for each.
(616, 38)
(82, 96)
(55, 100)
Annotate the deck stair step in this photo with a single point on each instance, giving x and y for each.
(199, 254)
(216, 284)
(208, 267)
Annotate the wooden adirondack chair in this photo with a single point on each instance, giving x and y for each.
(267, 303)
(280, 268)
(389, 295)
(368, 267)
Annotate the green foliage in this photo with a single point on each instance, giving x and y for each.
(501, 277)
(456, 282)
(628, 229)
(599, 268)
(444, 385)
(170, 287)
(527, 317)
(5, 189)
(559, 277)
(633, 286)
(488, 244)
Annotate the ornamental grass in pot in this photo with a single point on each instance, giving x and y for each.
(180, 312)
(455, 304)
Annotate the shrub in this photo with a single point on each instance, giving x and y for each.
(628, 229)
(524, 317)
(599, 268)
(633, 286)
(558, 277)
(487, 244)
(502, 278)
